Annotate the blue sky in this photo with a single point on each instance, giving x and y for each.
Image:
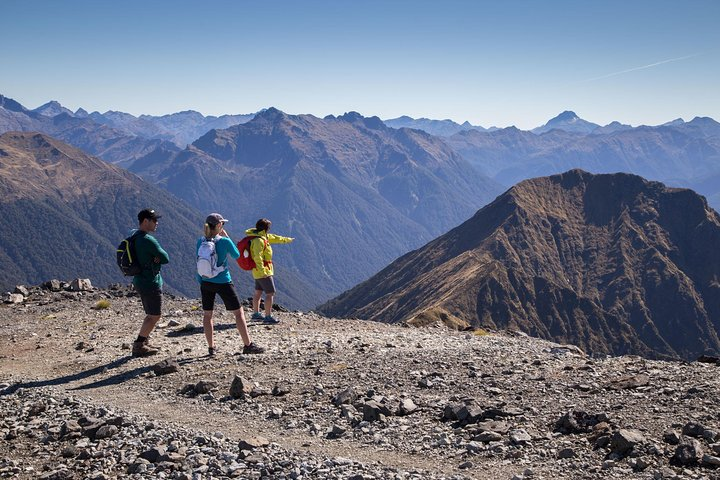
(496, 63)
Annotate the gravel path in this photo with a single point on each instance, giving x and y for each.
(332, 398)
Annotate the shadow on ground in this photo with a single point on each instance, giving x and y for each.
(86, 374)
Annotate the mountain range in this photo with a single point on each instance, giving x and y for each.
(683, 154)
(116, 137)
(355, 193)
(98, 139)
(441, 128)
(180, 128)
(612, 263)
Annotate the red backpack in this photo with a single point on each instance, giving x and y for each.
(245, 260)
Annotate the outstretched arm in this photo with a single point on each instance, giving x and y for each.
(272, 238)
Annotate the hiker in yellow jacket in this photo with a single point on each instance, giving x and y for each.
(261, 252)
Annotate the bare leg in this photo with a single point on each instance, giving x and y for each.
(148, 325)
(208, 328)
(256, 300)
(241, 325)
(268, 303)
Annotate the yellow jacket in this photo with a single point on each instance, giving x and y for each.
(262, 251)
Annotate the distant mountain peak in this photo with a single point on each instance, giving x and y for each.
(272, 114)
(569, 122)
(566, 116)
(350, 117)
(373, 123)
(10, 104)
(52, 108)
(673, 123)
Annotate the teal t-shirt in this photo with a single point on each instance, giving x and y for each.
(223, 247)
(147, 249)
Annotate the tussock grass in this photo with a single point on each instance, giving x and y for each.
(102, 304)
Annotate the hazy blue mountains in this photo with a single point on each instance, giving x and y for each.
(99, 139)
(681, 154)
(64, 212)
(441, 128)
(612, 263)
(116, 137)
(355, 193)
(179, 128)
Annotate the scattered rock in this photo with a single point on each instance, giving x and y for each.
(22, 290)
(628, 382)
(281, 389)
(688, 452)
(253, 442)
(345, 397)
(81, 285)
(13, 298)
(623, 441)
(204, 386)
(169, 365)
(566, 453)
(238, 387)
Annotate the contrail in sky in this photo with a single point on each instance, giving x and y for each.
(642, 68)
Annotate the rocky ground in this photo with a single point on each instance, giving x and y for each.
(331, 399)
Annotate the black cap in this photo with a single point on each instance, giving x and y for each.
(148, 213)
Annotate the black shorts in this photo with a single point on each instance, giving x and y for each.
(151, 301)
(266, 284)
(226, 292)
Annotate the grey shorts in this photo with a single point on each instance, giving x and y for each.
(266, 284)
(151, 301)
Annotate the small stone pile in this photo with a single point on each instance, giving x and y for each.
(22, 292)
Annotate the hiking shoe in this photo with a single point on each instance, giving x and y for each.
(252, 348)
(270, 320)
(143, 350)
(212, 351)
(257, 316)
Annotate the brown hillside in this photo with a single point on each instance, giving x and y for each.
(612, 263)
(64, 212)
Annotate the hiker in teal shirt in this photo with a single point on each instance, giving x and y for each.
(149, 282)
(218, 282)
(150, 253)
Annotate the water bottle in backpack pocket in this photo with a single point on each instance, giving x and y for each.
(207, 259)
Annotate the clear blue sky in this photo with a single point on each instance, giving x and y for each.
(499, 63)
